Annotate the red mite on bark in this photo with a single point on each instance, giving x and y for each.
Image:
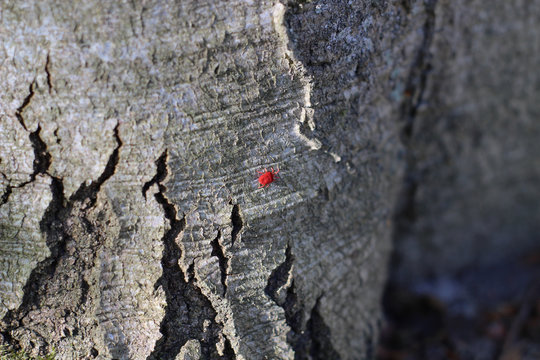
(267, 177)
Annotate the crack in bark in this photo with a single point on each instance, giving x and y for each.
(26, 101)
(416, 82)
(47, 71)
(318, 337)
(191, 271)
(42, 158)
(237, 223)
(188, 309)
(56, 239)
(85, 289)
(405, 212)
(172, 281)
(312, 341)
(161, 173)
(217, 250)
(6, 194)
(54, 226)
(289, 303)
(90, 192)
(228, 351)
(294, 317)
(279, 276)
(42, 162)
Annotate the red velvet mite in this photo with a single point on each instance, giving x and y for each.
(267, 177)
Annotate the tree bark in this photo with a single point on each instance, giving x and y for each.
(471, 192)
(131, 224)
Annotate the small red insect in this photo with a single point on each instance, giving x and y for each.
(267, 177)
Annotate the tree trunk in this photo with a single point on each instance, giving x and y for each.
(473, 166)
(131, 225)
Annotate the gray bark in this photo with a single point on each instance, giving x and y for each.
(471, 196)
(131, 225)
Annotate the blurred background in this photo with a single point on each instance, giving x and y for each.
(465, 273)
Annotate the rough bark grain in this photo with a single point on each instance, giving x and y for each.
(131, 132)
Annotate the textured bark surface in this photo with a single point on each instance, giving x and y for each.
(471, 195)
(131, 225)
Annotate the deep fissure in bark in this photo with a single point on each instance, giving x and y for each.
(416, 82)
(42, 158)
(312, 341)
(173, 284)
(278, 277)
(54, 225)
(42, 162)
(6, 194)
(187, 307)
(85, 288)
(191, 270)
(228, 352)
(294, 317)
(290, 304)
(237, 223)
(405, 212)
(318, 332)
(217, 251)
(33, 290)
